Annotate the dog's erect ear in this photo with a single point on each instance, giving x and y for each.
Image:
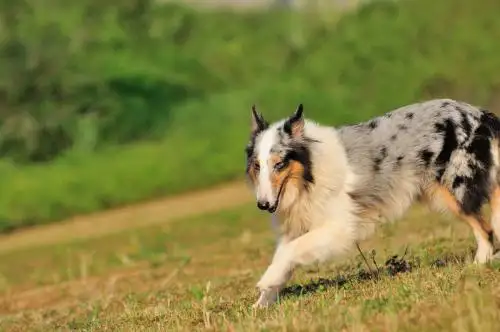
(294, 126)
(258, 122)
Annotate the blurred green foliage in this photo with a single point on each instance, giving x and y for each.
(107, 103)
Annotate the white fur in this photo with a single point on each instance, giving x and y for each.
(264, 190)
(317, 226)
(484, 251)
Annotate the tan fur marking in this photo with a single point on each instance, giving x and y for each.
(292, 173)
(436, 191)
(476, 222)
(368, 214)
(275, 158)
(277, 178)
(495, 199)
(296, 171)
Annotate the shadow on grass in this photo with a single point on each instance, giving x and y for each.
(392, 267)
(324, 283)
(452, 259)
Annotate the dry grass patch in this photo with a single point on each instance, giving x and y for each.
(199, 274)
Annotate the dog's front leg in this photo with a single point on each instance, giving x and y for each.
(269, 294)
(317, 245)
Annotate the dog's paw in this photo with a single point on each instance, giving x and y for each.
(484, 255)
(266, 298)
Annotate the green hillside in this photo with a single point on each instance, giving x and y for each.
(106, 104)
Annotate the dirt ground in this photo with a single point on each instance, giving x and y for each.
(133, 216)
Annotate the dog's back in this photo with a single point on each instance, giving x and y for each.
(442, 150)
(417, 147)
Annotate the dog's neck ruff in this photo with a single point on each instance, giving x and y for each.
(303, 210)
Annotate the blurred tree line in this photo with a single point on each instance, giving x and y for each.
(86, 73)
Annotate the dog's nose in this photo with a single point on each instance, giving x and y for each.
(263, 205)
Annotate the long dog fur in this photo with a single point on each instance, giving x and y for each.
(329, 187)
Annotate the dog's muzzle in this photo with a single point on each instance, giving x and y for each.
(265, 206)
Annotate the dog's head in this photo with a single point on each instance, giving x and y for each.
(279, 164)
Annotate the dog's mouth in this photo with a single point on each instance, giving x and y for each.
(274, 207)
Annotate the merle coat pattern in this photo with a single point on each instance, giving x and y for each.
(443, 142)
(329, 187)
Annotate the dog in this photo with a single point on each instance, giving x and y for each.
(327, 187)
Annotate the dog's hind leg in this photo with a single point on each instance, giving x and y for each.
(442, 197)
(495, 211)
(484, 238)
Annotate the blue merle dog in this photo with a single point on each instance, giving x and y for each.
(327, 188)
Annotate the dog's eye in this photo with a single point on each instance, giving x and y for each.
(279, 166)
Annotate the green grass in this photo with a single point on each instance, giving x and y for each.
(200, 274)
(343, 69)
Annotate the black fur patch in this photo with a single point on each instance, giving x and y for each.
(478, 188)
(465, 123)
(480, 145)
(398, 161)
(373, 124)
(426, 157)
(459, 180)
(409, 116)
(491, 121)
(249, 149)
(450, 143)
(297, 116)
(378, 160)
(287, 128)
(479, 184)
(440, 174)
(302, 154)
(249, 155)
(491, 238)
(445, 104)
(481, 148)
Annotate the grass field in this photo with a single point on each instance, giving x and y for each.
(197, 272)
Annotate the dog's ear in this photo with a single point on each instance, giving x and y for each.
(294, 125)
(258, 122)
